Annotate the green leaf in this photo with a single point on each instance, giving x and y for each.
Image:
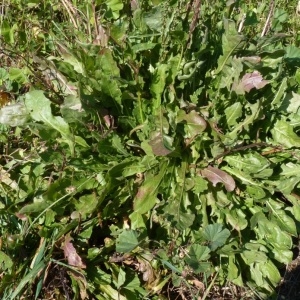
(233, 113)
(280, 217)
(231, 41)
(230, 74)
(5, 262)
(282, 255)
(249, 163)
(200, 185)
(249, 119)
(86, 204)
(127, 241)
(158, 83)
(280, 93)
(215, 235)
(274, 234)
(290, 169)
(31, 275)
(292, 53)
(236, 218)
(34, 207)
(283, 134)
(256, 192)
(114, 7)
(287, 185)
(143, 47)
(291, 103)
(146, 196)
(245, 178)
(154, 19)
(234, 272)
(39, 108)
(121, 278)
(251, 256)
(198, 253)
(270, 271)
(194, 123)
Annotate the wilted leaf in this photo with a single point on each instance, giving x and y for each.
(252, 59)
(14, 115)
(81, 282)
(70, 253)
(215, 175)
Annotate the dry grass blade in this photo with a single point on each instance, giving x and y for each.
(268, 21)
(71, 11)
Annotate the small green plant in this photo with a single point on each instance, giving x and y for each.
(150, 149)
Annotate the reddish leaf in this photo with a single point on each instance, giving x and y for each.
(248, 82)
(160, 144)
(70, 253)
(215, 176)
(195, 124)
(253, 80)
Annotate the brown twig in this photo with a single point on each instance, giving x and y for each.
(268, 21)
(242, 148)
(195, 19)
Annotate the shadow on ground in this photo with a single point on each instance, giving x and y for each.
(289, 288)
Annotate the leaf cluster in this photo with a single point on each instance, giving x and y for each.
(147, 144)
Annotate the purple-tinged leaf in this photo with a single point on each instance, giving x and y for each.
(248, 82)
(215, 175)
(253, 80)
(195, 124)
(70, 253)
(161, 144)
